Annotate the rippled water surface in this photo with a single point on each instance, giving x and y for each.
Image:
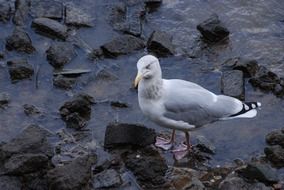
(257, 32)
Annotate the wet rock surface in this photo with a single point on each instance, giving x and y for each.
(19, 69)
(275, 154)
(77, 111)
(4, 99)
(237, 183)
(60, 53)
(107, 179)
(275, 137)
(11, 183)
(77, 17)
(122, 45)
(232, 84)
(5, 10)
(63, 82)
(50, 28)
(160, 43)
(47, 9)
(22, 12)
(212, 29)
(31, 110)
(205, 145)
(19, 41)
(118, 134)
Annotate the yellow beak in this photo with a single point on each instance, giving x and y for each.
(137, 80)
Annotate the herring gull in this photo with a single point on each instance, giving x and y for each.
(182, 105)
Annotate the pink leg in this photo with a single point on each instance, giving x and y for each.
(183, 149)
(165, 144)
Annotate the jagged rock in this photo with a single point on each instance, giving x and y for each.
(22, 12)
(147, 165)
(77, 111)
(260, 172)
(77, 17)
(118, 104)
(19, 69)
(5, 11)
(232, 84)
(212, 29)
(19, 41)
(4, 99)
(33, 139)
(117, 15)
(47, 9)
(96, 54)
(118, 134)
(30, 109)
(236, 183)
(275, 138)
(213, 176)
(275, 154)
(107, 179)
(161, 44)
(50, 28)
(75, 175)
(106, 75)
(25, 163)
(60, 53)
(205, 145)
(152, 5)
(63, 82)
(10, 183)
(122, 45)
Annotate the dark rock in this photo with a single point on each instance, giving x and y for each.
(117, 104)
(77, 111)
(96, 54)
(4, 99)
(212, 29)
(75, 175)
(19, 41)
(30, 110)
(275, 154)
(213, 176)
(128, 134)
(25, 163)
(118, 15)
(19, 69)
(63, 82)
(122, 45)
(275, 138)
(10, 183)
(5, 11)
(260, 172)
(205, 145)
(248, 66)
(60, 53)
(106, 75)
(2, 55)
(133, 21)
(33, 139)
(232, 84)
(47, 9)
(147, 165)
(236, 183)
(22, 12)
(161, 44)
(107, 179)
(265, 79)
(152, 5)
(50, 28)
(77, 17)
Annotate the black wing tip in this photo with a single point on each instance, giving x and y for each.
(247, 106)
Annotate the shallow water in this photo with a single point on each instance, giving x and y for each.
(257, 32)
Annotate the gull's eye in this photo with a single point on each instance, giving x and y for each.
(148, 66)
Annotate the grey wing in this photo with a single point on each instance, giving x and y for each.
(196, 105)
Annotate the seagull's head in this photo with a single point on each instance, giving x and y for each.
(148, 68)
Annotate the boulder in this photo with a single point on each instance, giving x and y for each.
(19, 69)
(232, 84)
(4, 99)
(50, 28)
(47, 9)
(160, 43)
(76, 16)
(259, 171)
(10, 183)
(147, 165)
(31, 110)
(236, 183)
(107, 179)
(22, 12)
(73, 176)
(77, 111)
(60, 53)
(63, 82)
(122, 45)
(118, 134)
(19, 41)
(275, 138)
(5, 10)
(205, 145)
(33, 139)
(212, 29)
(152, 5)
(275, 154)
(20, 164)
